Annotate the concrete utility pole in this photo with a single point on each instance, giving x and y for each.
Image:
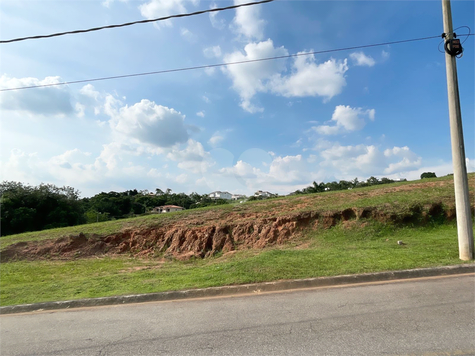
(462, 199)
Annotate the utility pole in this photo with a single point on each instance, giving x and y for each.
(462, 199)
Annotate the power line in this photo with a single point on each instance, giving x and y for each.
(136, 22)
(224, 64)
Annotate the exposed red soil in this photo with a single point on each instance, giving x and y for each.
(204, 237)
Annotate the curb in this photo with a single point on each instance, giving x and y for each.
(242, 289)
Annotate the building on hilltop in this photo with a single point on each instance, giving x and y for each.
(166, 209)
(264, 194)
(220, 195)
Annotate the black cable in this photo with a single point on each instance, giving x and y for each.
(469, 33)
(136, 22)
(224, 64)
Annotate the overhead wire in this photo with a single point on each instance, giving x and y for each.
(223, 64)
(137, 22)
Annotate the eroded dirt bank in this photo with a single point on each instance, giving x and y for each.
(233, 231)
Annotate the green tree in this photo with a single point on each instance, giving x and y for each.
(428, 175)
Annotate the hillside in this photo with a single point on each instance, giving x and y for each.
(201, 233)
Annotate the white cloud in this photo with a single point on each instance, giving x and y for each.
(200, 114)
(206, 99)
(163, 8)
(212, 52)
(242, 170)
(409, 159)
(311, 79)
(306, 79)
(193, 158)
(53, 100)
(385, 55)
(347, 119)
(247, 22)
(252, 78)
(281, 172)
(216, 139)
(215, 22)
(362, 59)
(148, 122)
(368, 160)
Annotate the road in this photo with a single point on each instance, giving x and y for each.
(432, 316)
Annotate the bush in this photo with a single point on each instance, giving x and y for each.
(428, 175)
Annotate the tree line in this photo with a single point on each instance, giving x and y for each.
(355, 183)
(25, 208)
(343, 185)
(33, 208)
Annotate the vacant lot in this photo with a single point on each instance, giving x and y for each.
(295, 237)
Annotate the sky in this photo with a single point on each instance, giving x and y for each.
(272, 125)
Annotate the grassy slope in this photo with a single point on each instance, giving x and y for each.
(363, 248)
(331, 252)
(392, 201)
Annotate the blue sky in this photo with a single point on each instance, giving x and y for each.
(273, 125)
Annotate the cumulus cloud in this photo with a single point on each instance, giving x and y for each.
(282, 171)
(252, 78)
(193, 157)
(347, 119)
(242, 170)
(161, 8)
(311, 79)
(409, 160)
(200, 114)
(247, 22)
(366, 160)
(54, 100)
(361, 59)
(307, 78)
(148, 122)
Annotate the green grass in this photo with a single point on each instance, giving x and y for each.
(331, 252)
(392, 201)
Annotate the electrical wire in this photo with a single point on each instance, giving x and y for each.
(469, 33)
(136, 22)
(223, 64)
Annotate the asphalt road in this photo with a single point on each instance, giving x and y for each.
(434, 316)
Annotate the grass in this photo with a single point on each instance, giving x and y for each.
(364, 248)
(392, 201)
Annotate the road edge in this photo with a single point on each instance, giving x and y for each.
(243, 289)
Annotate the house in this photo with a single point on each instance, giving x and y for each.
(220, 195)
(264, 194)
(238, 196)
(167, 209)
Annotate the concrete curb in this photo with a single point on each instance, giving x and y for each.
(243, 289)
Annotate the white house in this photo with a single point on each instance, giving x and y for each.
(220, 195)
(238, 196)
(264, 194)
(167, 209)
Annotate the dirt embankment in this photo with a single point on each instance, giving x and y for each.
(204, 238)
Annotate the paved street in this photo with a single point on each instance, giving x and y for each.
(433, 316)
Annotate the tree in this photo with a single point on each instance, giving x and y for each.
(26, 208)
(428, 175)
